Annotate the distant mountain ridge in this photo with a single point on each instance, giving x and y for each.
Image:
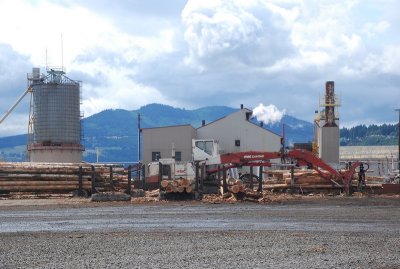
(113, 132)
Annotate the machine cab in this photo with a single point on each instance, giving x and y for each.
(204, 149)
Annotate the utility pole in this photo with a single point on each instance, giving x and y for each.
(139, 167)
(139, 131)
(398, 130)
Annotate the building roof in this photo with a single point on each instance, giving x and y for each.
(212, 122)
(170, 126)
(247, 110)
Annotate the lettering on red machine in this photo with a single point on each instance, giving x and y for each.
(260, 156)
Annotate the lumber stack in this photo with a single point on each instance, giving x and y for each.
(59, 177)
(307, 179)
(303, 179)
(181, 185)
(371, 182)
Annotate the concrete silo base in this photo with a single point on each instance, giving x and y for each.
(56, 155)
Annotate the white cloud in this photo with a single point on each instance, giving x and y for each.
(388, 62)
(211, 52)
(38, 26)
(372, 29)
(221, 32)
(121, 92)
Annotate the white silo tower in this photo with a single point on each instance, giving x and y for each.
(55, 131)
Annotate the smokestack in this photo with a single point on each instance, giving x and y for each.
(330, 104)
(203, 123)
(248, 115)
(241, 106)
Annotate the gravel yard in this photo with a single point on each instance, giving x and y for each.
(320, 233)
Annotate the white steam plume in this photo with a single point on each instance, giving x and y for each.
(268, 114)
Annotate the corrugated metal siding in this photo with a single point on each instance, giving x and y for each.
(236, 127)
(57, 113)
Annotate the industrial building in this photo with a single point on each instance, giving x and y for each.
(55, 130)
(159, 142)
(234, 132)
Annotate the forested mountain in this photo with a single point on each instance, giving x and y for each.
(113, 132)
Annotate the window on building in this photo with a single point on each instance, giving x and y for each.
(178, 156)
(155, 156)
(237, 143)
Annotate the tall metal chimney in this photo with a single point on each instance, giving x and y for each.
(330, 104)
(398, 130)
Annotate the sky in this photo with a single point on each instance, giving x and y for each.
(191, 54)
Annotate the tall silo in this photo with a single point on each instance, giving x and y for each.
(55, 117)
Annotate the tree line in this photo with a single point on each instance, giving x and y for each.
(372, 135)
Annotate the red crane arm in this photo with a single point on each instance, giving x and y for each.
(307, 157)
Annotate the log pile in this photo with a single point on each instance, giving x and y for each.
(307, 179)
(181, 185)
(303, 180)
(59, 177)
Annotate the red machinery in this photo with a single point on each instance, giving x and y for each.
(301, 157)
(326, 171)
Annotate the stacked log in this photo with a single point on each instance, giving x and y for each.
(182, 185)
(59, 177)
(234, 186)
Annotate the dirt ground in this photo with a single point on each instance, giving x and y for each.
(284, 231)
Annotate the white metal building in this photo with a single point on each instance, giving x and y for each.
(234, 133)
